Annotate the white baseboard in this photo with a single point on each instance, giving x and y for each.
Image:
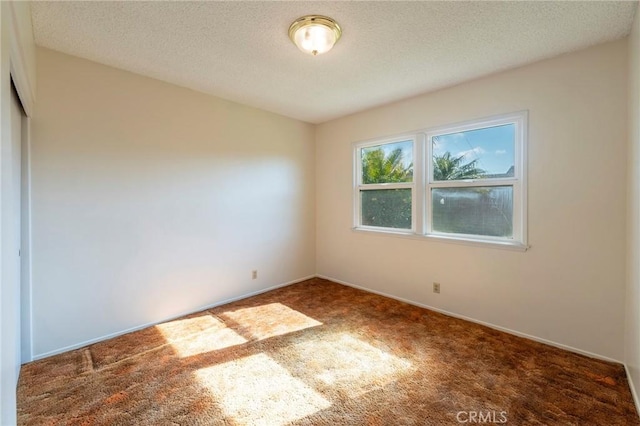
(633, 388)
(140, 327)
(487, 324)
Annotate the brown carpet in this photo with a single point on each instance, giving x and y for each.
(324, 354)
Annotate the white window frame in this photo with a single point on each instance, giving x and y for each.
(423, 184)
(359, 186)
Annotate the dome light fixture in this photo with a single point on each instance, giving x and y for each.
(314, 34)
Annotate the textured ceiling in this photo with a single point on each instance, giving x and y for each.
(389, 50)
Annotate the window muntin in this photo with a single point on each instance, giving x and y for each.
(466, 183)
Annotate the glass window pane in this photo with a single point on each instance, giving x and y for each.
(389, 208)
(475, 211)
(487, 153)
(387, 163)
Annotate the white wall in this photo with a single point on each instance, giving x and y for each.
(9, 323)
(16, 58)
(568, 288)
(632, 330)
(151, 200)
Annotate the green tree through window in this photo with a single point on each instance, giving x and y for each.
(389, 208)
(380, 168)
(448, 167)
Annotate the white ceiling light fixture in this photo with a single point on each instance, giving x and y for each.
(314, 34)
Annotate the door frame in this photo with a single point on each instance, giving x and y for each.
(25, 88)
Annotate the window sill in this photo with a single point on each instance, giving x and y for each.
(503, 245)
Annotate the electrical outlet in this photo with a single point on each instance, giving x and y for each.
(254, 274)
(436, 287)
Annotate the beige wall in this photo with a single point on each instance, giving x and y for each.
(151, 200)
(569, 287)
(632, 330)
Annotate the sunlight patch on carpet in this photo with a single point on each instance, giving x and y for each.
(264, 321)
(349, 364)
(193, 336)
(256, 390)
